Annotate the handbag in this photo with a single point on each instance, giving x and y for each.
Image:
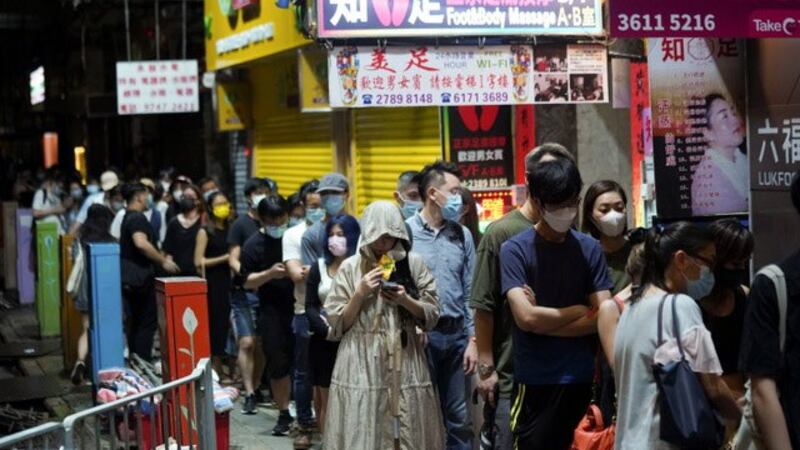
(687, 418)
(592, 434)
(747, 437)
(75, 275)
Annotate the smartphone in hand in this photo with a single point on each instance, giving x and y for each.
(389, 286)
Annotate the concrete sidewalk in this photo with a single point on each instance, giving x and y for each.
(254, 432)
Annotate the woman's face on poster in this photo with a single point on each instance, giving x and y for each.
(725, 126)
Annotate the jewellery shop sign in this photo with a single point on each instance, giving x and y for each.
(460, 75)
(407, 18)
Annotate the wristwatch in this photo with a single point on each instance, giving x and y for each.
(484, 370)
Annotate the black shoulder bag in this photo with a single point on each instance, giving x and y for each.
(687, 418)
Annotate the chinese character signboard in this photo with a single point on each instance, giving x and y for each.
(155, 87)
(705, 18)
(444, 76)
(406, 18)
(479, 140)
(699, 134)
(240, 31)
(775, 134)
(641, 137)
(492, 205)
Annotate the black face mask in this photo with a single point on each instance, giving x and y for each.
(732, 278)
(186, 204)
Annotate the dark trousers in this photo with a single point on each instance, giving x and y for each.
(142, 319)
(544, 417)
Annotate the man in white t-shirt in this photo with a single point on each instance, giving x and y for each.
(292, 257)
(47, 207)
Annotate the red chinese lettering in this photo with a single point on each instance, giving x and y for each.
(391, 82)
(379, 61)
(502, 81)
(672, 49)
(471, 81)
(459, 81)
(447, 82)
(417, 82)
(366, 83)
(418, 59)
(378, 83)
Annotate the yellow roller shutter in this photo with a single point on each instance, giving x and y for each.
(290, 147)
(389, 141)
(293, 148)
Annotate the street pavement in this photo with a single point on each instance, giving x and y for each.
(254, 432)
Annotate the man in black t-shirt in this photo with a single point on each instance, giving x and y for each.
(775, 374)
(138, 253)
(263, 269)
(244, 303)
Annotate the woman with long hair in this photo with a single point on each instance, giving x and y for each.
(341, 239)
(211, 262)
(96, 228)
(381, 393)
(679, 265)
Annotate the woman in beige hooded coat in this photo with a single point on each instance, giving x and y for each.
(381, 395)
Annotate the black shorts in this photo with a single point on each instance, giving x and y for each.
(322, 358)
(277, 340)
(544, 417)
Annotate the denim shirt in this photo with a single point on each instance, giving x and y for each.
(451, 260)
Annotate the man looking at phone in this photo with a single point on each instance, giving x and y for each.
(449, 252)
(262, 268)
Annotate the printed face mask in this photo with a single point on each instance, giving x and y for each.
(337, 245)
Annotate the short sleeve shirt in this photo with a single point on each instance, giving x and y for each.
(760, 352)
(43, 199)
(259, 253)
(561, 275)
(137, 268)
(486, 295)
(292, 250)
(312, 243)
(94, 199)
(243, 227)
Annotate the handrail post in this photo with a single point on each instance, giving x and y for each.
(204, 407)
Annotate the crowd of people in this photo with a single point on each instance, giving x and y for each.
(378, 327)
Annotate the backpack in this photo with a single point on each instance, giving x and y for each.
(747, 436)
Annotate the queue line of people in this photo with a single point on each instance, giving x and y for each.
(378, 324)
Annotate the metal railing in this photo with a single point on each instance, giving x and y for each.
(109, 426)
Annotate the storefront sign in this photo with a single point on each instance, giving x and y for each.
(705, 18)
(444, 76)
(492, 205)
(524, 138)
(479, 140)
(313, 72)
(156, 87)
(404, 18)
(775, 159)
(240, 31)
(233, 106)
(641, 136)
(699, 134)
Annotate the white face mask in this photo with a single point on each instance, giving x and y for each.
(561, 219)
(612, 224)
(256, 199)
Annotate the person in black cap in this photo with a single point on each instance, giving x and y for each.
(335, 191)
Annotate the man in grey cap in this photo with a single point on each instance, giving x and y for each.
(109, 183)
(334, 190)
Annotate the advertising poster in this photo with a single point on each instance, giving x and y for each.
(570, 74)
(479, 141)
(408, 18)
(699, 134)
(156, 87)
(444, 76)
(775, 135)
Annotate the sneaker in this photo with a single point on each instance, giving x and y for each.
(249, 405)
(78, 373)
(284, 424)
(302, 441)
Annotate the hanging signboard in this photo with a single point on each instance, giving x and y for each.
(699, 135)
(705, 18)
(479, 140)
(775, 132)
(157, 87)
(313, 73)
(233, 106)
(641, 138)
(407, 18)
(444, 76)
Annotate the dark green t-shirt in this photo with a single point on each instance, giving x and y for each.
(616, 267)
(486, 293)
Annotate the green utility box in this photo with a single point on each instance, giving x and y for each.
(48, 279)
